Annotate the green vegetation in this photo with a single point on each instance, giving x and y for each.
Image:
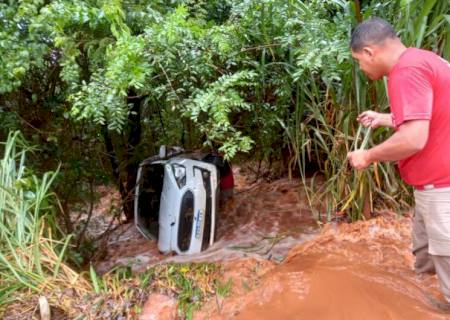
(272, 76)
(98, 85)
(32, 251)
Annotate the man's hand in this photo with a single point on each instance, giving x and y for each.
(375, 119)
(359, 159)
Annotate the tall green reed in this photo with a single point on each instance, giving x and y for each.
(31, 249)
(323, 127)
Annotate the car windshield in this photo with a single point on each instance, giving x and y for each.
(151, 185)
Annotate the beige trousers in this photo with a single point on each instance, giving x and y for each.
(431, 234)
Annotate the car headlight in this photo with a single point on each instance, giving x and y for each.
(179, 173)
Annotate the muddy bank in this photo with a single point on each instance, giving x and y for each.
(357, 271)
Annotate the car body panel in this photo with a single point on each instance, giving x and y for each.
(187, 213)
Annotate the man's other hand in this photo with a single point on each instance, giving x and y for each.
(359, 159)
(375, 119)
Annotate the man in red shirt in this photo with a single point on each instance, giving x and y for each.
(419, 95)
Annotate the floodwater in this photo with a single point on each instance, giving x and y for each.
(283, 266)
(358, 271)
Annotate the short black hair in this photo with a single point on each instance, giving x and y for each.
(371, 31)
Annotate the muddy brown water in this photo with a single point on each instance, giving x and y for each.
(358, 271)
(283, 266)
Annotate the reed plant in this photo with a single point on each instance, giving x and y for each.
(32, 250)
(323, 127)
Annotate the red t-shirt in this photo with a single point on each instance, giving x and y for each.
(419, 89)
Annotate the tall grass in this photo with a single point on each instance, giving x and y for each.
(425, 24)
(31, 257)
(323, 126)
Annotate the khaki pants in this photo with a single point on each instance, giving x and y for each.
(431, 234)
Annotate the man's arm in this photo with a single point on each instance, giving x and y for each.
(411, 137)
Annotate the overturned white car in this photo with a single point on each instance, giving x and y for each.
(176, 200)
